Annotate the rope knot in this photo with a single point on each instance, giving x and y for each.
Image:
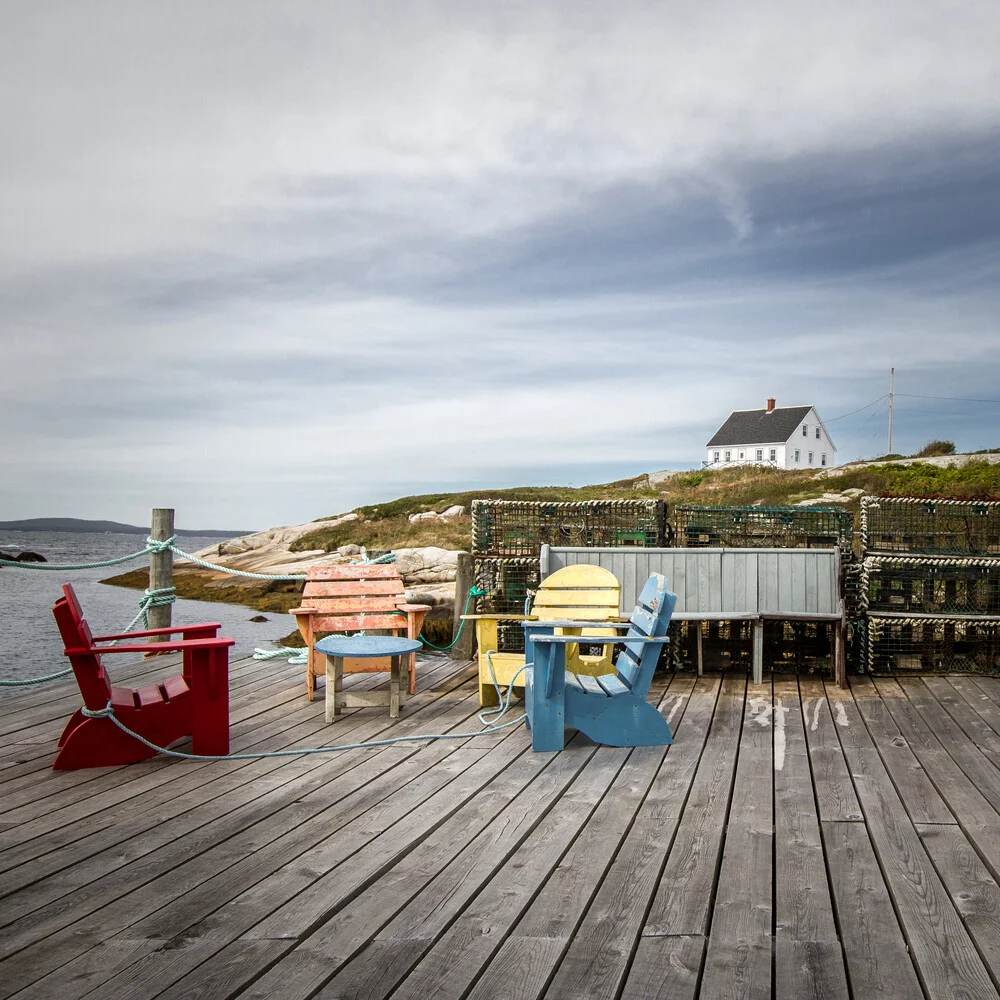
(156, 545)
(158, 598)
(97, 713)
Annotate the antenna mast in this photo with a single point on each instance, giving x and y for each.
(892, 382)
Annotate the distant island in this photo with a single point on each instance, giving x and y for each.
(116, 527)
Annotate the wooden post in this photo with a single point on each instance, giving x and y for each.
(758, 651)
(464, 579)
(161, 565)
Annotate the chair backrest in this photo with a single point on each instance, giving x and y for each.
(352, 598)
(91, 677)
(578, 593)
(636, 662)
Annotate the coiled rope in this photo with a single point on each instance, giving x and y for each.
(489, 726)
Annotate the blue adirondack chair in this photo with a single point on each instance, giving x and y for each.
(611, 709)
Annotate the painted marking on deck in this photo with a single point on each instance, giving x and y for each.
(841, 714)
(779, 735)
(814, 725)
(677, 704)
(760, 710)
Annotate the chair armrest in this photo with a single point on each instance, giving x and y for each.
(215, 626)
(501, 618)
(413, 608)
(590, 623)
(569, 639)
(154, 647)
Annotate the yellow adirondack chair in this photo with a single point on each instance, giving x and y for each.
(574, 593)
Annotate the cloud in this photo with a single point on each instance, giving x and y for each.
(246, 248)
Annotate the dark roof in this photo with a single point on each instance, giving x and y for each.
(759, 426)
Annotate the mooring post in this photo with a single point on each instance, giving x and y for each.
(464, 579)
(161, 565)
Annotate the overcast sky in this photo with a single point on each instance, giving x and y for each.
(264, 262)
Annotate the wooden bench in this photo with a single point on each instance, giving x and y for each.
(575, 593)
(361, 598)
(195, 702)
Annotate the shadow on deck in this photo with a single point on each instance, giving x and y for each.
(796, 840)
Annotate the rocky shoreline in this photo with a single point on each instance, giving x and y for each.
(428, 573)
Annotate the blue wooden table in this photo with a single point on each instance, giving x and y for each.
(337, 647)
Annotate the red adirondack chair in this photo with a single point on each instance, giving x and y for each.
(195, 702)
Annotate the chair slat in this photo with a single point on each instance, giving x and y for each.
(358, 623)
(360, 571)
(589, 684)
(351, 605)
(612, 685)
(352, 588)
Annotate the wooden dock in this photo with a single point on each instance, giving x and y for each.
(796, 841)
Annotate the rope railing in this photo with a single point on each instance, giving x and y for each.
(151, 598)
(165, 596)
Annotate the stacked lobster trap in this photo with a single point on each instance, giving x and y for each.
(930, 585)
(507, 536)
(758, 526)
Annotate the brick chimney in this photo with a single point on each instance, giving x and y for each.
(770, 404)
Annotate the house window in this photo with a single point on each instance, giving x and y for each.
(729, 455)
(715, 456)
(822, 459)
(810, 458)
(797, 454)
(817, 432)
(760, 454)
(742, 454)
(772, 455)
(805, 430)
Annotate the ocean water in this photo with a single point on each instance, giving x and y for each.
(30, 645)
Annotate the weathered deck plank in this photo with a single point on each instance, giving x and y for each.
(809, 961)
(839, 843)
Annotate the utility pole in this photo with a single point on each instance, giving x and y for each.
(892, 382)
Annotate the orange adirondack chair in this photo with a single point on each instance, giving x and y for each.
(355, 599)
(194, 702)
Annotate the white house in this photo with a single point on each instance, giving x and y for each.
(788, 437)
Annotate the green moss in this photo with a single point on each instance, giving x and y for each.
(263, 595)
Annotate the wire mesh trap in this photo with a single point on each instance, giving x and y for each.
(932, 585)
(520, 528)
(930, 526)
(932, 645)
(763, 527)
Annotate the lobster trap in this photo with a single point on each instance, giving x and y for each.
(763, 527)
(918, 525)
(505, 584)
(939, 644)
(508, 528)
(932, 585)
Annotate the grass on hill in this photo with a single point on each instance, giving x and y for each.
(387, 526)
